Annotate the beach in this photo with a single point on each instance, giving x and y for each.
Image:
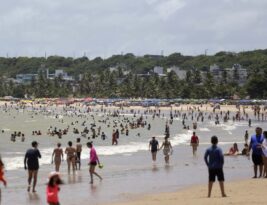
(249, 192)
(128, 172)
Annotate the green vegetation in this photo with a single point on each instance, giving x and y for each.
(98, 81)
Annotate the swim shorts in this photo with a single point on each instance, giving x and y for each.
(216, 172)
(257, 159)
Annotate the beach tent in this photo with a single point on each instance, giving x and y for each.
(216, 100)
(26, 101)
(62, 101)
(8, 98)
(245, 102)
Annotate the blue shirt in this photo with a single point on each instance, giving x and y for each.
(214, 157)
(31, 157)
(255, 141)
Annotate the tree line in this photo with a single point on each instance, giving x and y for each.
(98, 81)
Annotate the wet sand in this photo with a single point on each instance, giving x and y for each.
(246, 192)
(125, 177)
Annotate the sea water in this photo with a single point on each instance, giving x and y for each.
(127, 166)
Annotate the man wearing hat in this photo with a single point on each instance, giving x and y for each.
(31, 162)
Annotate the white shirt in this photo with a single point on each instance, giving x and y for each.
(264, 147)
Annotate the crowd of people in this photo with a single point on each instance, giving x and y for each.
(31, 164)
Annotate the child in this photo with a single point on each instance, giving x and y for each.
(2, 172)
(53, 188)
(214, 161)
(2, 175)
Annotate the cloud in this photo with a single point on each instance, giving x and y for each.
(165, 8)
(107, 27)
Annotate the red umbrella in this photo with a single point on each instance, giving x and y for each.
(88, 99)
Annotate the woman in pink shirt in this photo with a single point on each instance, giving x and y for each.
(93, 162)
(53, 188)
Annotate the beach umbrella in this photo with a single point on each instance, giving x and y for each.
(88, 99)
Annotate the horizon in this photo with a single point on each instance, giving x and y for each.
(123, 54)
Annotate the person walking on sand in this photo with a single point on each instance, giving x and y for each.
(71, 154)
(194, 143)
(31, 162)
(57, 157)
(78, 153)
(167, 149)
(154, 147)
(256, 146)
(93, 162)
(214, 160)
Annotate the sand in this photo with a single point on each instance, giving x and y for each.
(250, 192)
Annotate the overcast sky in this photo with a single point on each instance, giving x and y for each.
(107, 27)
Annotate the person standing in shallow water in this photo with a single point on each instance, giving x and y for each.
(194, 143)
(154, 147)
(31, 162)
(256, 146)
(246, 137)
(78, 152)
(214, 160)
(71, 155)
(114, 138)
(93, 162)
(167, 149)
(57, 157)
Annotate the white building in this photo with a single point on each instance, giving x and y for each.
(158, 70)
(60, 73)
(180, 73)
(112, 69)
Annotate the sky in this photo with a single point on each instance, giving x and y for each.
(104, 28)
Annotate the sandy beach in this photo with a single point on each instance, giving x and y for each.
(238, 192)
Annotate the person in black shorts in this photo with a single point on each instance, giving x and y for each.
(78, 153)
(31, 162)
(214, 160)
(154, 147)
(256, 146)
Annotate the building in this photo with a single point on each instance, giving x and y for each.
(237, 74)
(234, 74)
(180, 73)
(59, 73)
(113, 69)
(216, 72)
(25, 78)
(154, 57)
(158, 70)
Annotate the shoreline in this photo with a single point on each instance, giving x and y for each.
(247, 191)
